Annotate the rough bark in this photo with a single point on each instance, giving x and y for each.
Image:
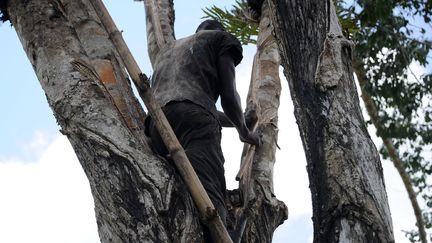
(345, 173)
(106, 63)
(138, 197)
(264, 213)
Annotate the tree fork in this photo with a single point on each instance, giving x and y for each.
(205, 206)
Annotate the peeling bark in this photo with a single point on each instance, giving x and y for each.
(106, 64)
(345, 173)
(263, 211)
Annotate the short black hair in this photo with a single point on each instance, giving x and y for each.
(210, 25)
(4, 16)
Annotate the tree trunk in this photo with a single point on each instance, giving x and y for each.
(138, 197)
(264, 213)
(345, 173)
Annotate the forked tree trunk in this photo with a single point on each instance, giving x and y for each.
(345, 173)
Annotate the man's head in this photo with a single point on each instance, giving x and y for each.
(210, 25)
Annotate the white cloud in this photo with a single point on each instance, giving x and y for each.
(48, 200)
(39, 141)
(37, 144)
(29, 150)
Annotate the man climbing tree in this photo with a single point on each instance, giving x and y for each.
(190, 74)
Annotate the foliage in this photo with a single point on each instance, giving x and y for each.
(391, 39)
(240, 21)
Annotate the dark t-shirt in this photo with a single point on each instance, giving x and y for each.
(187, 68)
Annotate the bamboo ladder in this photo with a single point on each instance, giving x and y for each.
(205, 207)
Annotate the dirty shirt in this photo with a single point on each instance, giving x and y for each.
(186, 85)
(187, 68)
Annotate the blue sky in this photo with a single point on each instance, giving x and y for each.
(23, 102)
(37, 163)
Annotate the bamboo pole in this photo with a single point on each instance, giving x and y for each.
(207, 211)
(247, 161)
(246, 164)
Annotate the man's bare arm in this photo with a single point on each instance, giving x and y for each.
(224, 120)
(249, 116)
(230, 100)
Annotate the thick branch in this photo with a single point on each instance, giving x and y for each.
(160, 25)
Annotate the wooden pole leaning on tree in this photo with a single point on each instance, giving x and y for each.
(205, 207)
(247, 161)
